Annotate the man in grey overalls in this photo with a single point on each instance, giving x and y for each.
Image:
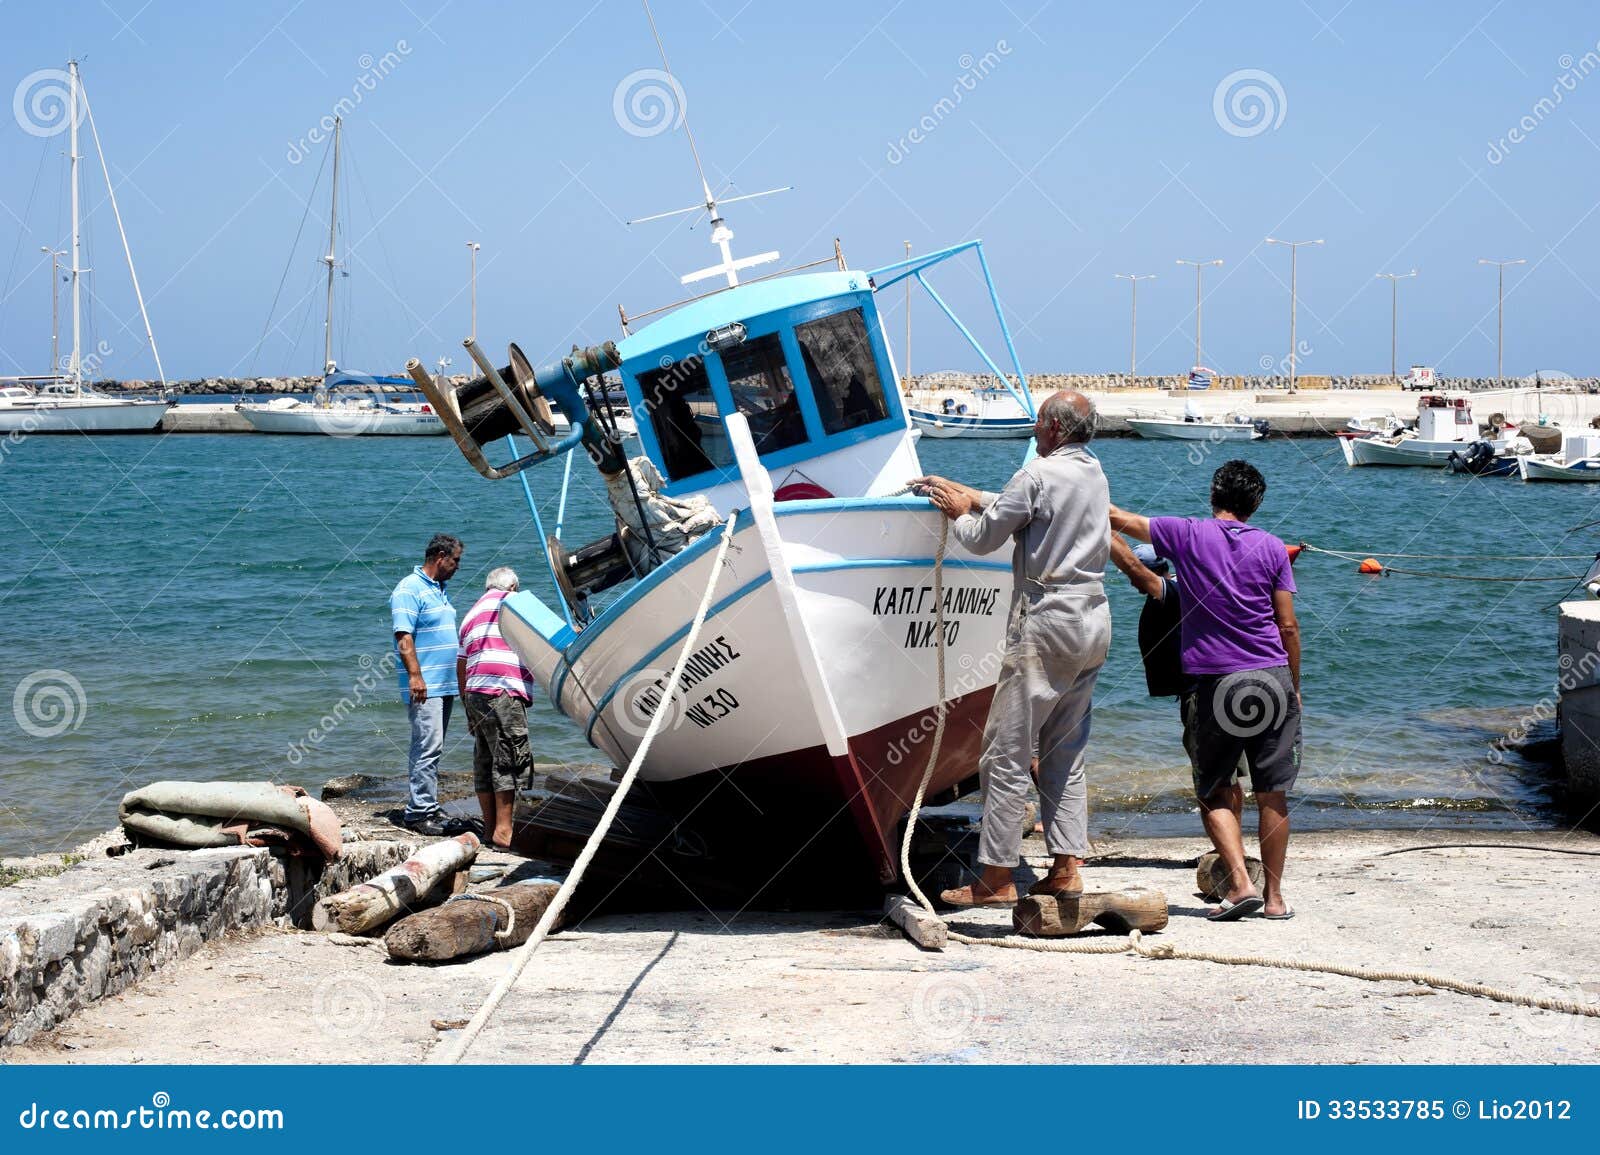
(1056, 509)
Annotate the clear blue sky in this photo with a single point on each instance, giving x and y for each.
(1090, 145)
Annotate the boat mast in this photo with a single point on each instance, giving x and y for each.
(329, 260)
(77, 270)
(122, 233)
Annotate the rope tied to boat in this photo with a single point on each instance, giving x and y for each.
(1134, 945)
(569, 885)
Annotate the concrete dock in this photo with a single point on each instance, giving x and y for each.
(726, 987)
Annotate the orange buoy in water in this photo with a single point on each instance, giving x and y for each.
(1370, 565)
(1294, 552)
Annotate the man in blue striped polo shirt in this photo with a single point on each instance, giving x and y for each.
(426, 645)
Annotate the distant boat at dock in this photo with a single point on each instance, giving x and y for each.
(971, 413)
(345, 404)
(1196, 426)
(60, 402)
(1445, 425)
(1579, 460)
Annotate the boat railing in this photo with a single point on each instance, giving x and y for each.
(837, 261)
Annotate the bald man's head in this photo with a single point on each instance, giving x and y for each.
(1065, 418)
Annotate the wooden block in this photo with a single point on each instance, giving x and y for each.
(1056, 916)
(926, 930)
(1211, 877)
(469, 926)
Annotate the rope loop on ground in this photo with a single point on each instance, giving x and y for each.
(511, 913)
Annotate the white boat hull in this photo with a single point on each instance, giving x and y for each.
(1407, 451)
(108, 417)
(338, 421)
(1162, 429)
(863, 573)
(935, 424)
(1533, 468)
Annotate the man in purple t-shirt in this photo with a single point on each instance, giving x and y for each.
(1241, 646)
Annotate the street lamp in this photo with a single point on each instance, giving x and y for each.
(1133, 280)
(1294, 253)
(1394, 280)
(1500, 321)
(1198, 266)
(473, 247)
(55, 256)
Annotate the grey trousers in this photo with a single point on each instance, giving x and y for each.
(1056, 643)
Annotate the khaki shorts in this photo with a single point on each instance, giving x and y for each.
(500, 731)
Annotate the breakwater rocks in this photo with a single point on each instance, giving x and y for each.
(241, 386)
(100, 926)
(1306, 382)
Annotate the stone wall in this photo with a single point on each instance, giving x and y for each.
(1101, 382)
(100, 927)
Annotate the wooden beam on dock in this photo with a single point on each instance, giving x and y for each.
(926, 930)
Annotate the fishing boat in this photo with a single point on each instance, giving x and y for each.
(1195, 426)
(973, 413)
(1579, 460)
(801, 728)
(61, 402)
(1445, 425)
(344, 404)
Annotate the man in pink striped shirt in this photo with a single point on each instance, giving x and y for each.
(496, 689)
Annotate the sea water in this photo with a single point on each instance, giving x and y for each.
(199, 607)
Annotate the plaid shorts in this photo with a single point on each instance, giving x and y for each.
(500, 731)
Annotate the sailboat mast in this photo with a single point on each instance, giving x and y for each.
(333, 235)
(77, 268)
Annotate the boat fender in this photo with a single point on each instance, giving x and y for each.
(949, 404)
(1370, 565)
(962, 408)
(1294, 552)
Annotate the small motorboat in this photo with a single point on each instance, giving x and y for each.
(1372, 423)
(1579, 460)
(1196, 426)
(1445, 425)
(976, 413)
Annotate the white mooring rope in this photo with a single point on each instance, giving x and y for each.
(1134, 946)
(458, 1048)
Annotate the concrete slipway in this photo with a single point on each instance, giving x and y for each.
(709, 987)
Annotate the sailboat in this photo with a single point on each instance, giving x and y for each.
(345, 404)
(801, 728)
(62, 403)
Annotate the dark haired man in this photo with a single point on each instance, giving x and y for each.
(426, 646)
(1241, 647)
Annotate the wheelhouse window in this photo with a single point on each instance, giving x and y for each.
(684, 417)
(844, 375)
(759, 378)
